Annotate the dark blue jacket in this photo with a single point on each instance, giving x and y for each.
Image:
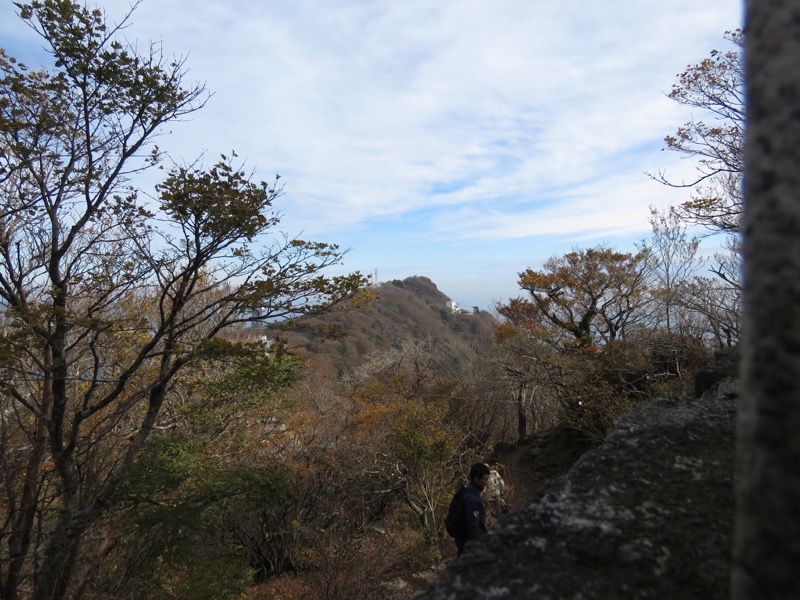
(474, 511)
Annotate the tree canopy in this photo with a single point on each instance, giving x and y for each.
(582, 298)
(715, 85)
(108, 295)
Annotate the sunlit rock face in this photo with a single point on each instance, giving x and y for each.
(649, 514)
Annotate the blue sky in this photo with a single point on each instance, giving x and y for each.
(462, 140)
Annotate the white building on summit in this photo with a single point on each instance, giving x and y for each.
(456, 309)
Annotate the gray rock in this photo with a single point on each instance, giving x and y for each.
(649, 514)
(725, 366)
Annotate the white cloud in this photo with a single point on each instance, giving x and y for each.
(483, 121)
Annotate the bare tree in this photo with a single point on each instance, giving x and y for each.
(715, 86)
(673, 263)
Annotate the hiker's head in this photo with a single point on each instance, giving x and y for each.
(479, 475)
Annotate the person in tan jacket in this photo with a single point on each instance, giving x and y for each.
(494, 496)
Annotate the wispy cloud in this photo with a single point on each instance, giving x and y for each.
(477, 122)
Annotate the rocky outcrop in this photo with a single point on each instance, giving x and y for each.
(725, 367)
(649, 514)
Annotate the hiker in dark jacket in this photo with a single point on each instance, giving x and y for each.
(473, 506)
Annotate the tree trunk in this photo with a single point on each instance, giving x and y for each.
(21, 537)
(55, 561)
(19, 542)
(522, 414)
(767, 544)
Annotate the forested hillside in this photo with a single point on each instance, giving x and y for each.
(411, 308)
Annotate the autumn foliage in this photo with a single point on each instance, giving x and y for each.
(191, 407)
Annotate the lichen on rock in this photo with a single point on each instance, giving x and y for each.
(649, 514)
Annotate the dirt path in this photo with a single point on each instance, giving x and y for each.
(544, 456)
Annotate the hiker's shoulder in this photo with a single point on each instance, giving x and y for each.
(471, 492)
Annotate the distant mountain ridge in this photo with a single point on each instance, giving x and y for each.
(413, 307)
